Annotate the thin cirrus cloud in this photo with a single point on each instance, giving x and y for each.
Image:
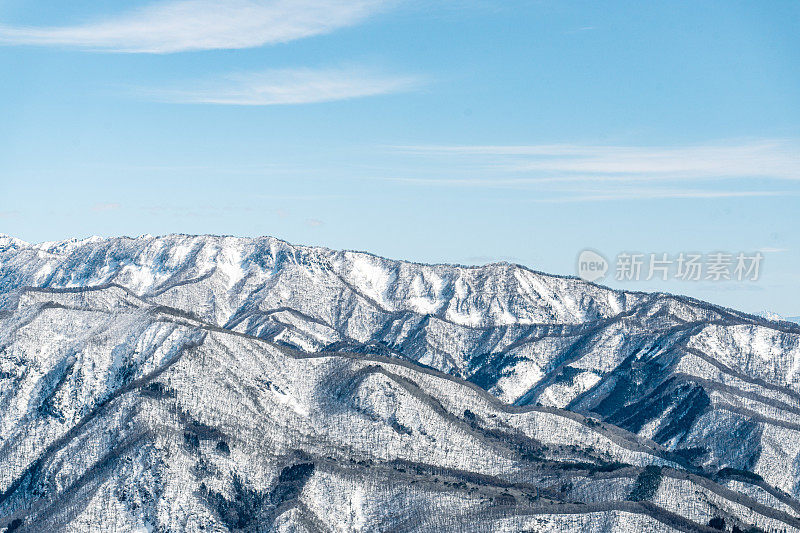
(286, 87)
(185, 25)
(560, 173)
(107, 206)
(553, 191)
(652, 194)
(772, 159)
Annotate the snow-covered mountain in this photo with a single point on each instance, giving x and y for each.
(194, 383)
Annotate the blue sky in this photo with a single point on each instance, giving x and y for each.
(459, 131)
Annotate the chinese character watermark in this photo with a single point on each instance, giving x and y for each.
(684, 266)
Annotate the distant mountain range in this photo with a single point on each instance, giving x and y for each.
(202, 383)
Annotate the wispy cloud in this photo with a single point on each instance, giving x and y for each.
(299, 197)
(182, 25)
(557, 190)
(101, 207)
(562, 173)
(287, 86)
(775, 159)
(654, 194)
(314, 222)
(580, 29)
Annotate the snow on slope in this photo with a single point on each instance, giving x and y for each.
(189, 357)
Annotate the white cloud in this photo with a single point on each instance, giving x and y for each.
(775, 159)
(98, 208)
(181, 25)
(654, 194)
(560, 173)
(288, 86)
(553, 190)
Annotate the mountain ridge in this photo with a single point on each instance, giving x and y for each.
(715, 392)
(792, 321)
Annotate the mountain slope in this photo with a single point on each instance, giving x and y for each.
(252, 384)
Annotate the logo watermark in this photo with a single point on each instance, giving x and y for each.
(591, 265)
(684, 266)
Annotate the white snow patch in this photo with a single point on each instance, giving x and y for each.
(372, 278)
(8, 240)
(141, 277)
(501, 315)
(291, 402)
(522, 378)
(422, 298)
(179, 254)
(229, 263)
(43, 273)
(357, 509)
(461, 289)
